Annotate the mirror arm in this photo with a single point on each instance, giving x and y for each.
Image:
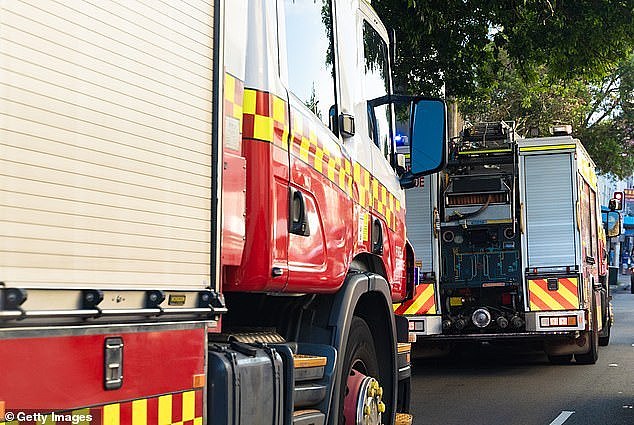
(407, 180)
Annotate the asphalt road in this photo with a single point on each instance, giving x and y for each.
(492, 385)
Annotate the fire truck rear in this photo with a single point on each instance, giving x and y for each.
(201, 215)
(520, 241)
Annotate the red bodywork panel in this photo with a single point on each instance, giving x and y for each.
(289, 149)
(233, 208)
(319, 261)
(67, 372)
(265, 135)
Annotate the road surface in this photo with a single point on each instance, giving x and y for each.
(491, 385)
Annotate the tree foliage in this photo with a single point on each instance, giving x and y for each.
(601, 113)
(533, 61)
(463, 43)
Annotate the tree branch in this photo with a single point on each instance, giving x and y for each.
(609, 89)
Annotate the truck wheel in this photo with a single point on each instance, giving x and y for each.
(361, 393)
(592, 355)
(563, 359)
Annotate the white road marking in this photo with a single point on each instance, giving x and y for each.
(563, 417)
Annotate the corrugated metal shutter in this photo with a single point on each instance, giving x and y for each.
(419, 222)
(550, 221)
(105, 143)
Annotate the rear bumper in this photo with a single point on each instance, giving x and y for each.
(422, 326)
(498, 336)
(555, 321)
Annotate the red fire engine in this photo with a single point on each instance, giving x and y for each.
(202, 218)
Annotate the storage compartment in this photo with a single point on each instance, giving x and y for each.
(245, 385)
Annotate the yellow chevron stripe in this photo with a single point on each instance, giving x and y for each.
(230, 88)
(189, 405)
(165, 410)
(546, 148)
(544, 297)
(111, 414)
(422, 299)
(139, 412)
(569, 296)
(249, 102)
(563, 291)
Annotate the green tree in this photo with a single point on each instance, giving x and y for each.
(533, 61)
(463, 43)
(601, 113)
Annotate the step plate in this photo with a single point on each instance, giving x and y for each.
(404, 419)
(305, 360)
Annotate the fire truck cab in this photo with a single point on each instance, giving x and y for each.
(202, 213)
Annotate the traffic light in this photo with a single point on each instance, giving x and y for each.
(616, 203)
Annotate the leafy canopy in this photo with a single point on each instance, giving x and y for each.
(533, 61)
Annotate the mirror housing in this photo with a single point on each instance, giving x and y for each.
(424, 149)
(613, 224)
(427, 138)
(346, 125)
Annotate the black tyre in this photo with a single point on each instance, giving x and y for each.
(563, 359)
(360, 356)
(592, 355)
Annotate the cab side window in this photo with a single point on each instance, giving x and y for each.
(376, 84)
(310, 54)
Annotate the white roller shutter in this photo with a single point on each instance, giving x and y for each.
(419, 219)
(550, 220)
(105, 143)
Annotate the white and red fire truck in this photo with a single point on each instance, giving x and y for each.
(201, 217)
(518, 250)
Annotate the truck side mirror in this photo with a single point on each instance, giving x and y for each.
(428, 139)
(614, 224)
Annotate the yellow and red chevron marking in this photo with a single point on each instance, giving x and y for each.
(309, 145)
(320, 152)
(423, 302)
(265, 118)
(564, 298)
(185, 408)
(384, 202)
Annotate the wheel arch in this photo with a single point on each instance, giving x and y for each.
(366, 295)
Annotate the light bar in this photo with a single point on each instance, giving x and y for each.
(558, 321)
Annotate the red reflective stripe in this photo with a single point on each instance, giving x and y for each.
(177, 407)
(556, 296)
(198, 411)
(542, 283)
(248, 126)
(534, 299)
(564, 303)
(152, 411)
(571, 286)
(125, 413)
(403, 307)
(263, 104)
(428, 304)
(420, 289)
